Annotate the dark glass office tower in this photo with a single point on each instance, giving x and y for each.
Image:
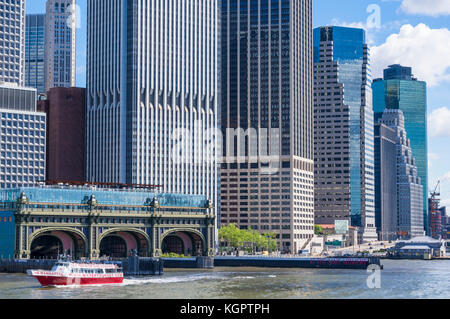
(35, 52)
(267, 84)
(343, 130)
(400, 90)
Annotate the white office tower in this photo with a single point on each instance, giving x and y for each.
(22, 138)
(12, 41)
(409, 187)
(152, 94)
(60, 43)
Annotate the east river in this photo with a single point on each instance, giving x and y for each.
(399, 279)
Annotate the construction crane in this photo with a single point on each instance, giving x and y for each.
(435, 214)
(436, 193)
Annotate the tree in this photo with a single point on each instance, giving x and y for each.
(235, 238)
(318, 230)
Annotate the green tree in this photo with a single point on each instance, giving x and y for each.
(318, 230)
(235, 238)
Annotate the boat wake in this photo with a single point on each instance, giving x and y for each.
(170, 280)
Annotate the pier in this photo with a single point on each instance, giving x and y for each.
(268, 262)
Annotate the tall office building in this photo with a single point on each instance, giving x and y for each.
(12, 41)
(267, 92)
(35, 52)
(66, 133)
(60, 44)
(22, 138)
(408, 187)
(400, 90)
(152, 94)
(386, 197)
(344, 130)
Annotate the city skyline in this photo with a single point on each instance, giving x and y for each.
(399, 20)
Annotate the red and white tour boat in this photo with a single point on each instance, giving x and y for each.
(78, 274)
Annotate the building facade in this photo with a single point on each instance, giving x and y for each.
(386, 196)
(400, 90)
(66, 133)
(344, 130)
(12, 41)
(153, 124)
(267, 108)
(35, 52)
(60, 44)
(89, 222)
(409, 187)
(22, 138)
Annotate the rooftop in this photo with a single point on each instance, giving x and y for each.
(81, 195)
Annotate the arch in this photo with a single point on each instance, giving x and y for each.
(73, 240)
(134, 238)
(113, 246)
(47, 247)
(182, 234)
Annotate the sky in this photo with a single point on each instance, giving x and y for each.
(410, 32)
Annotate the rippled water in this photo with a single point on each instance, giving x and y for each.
(399, 279)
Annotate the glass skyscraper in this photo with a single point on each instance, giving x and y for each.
(12, 41)
(267, 85)
(35, 52)
(400, 90)
(344, 131)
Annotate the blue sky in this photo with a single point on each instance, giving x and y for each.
(414, 32)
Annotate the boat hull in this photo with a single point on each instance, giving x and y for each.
(59, 280)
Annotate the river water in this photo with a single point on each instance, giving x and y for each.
(399, 279)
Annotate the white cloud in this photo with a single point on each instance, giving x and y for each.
(434, 156)
(426, 7)
(439, 122)
(426, 50)
(446, 178)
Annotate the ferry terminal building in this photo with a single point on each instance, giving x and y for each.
(91, 222)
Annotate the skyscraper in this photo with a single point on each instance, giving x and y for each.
(409, 190)
(386, 197)
(60, 43)
(344, 131)
(267, 86)
(35, 52)
(12, 41)
(66, 133)
(152, 94)
(22, 138)
(400, 90)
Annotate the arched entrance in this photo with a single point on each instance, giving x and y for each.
(114, 247)
(183, 243)
(121, 244)
(173, 244)
(46, 247)
(52, 244)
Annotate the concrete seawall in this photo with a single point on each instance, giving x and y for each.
(266, 262)
(324, 263)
